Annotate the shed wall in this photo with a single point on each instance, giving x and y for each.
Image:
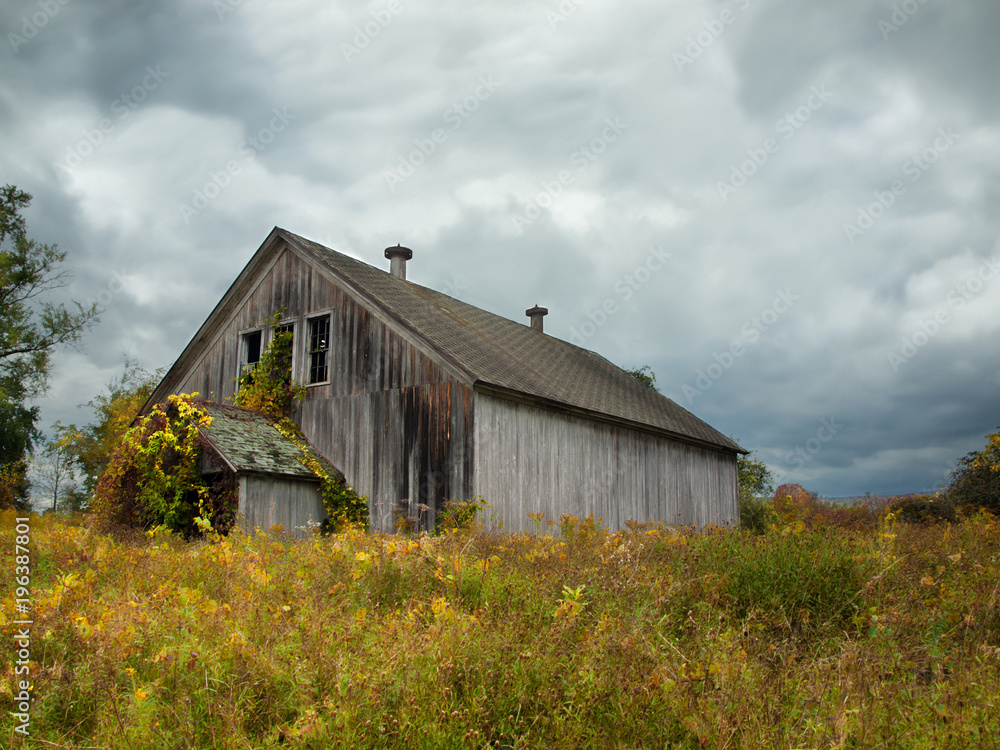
(268, 501)
(532, 460)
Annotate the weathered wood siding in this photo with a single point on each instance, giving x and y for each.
(406, 448)
(391, 419)
(291, 285)
(531, 460)
(268, 501)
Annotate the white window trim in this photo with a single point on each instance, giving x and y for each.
(307, 354)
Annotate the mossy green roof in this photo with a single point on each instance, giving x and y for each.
(250, 444)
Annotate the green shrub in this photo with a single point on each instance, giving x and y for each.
(756, 483)
(923, 509)
(153, 478)
(793, 578)
(975, 483)
(756, 514)
(459, 514)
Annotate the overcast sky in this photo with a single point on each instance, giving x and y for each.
(784, 208)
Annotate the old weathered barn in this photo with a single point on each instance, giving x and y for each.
(419, 398)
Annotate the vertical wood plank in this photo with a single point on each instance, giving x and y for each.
(531, 460)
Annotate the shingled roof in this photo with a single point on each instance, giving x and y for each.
(250, 444)
(496, 354)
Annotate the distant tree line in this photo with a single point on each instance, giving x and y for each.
(973, 486)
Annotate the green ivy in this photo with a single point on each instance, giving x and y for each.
(153, 477)
(268, 387)
(344, 507)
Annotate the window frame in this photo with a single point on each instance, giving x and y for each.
(309, 351)
(293, 323)
(244, 351)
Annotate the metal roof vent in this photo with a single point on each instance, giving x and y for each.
(536, 314)
(398, 256)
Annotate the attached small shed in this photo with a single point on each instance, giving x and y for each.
(275, 486)
(421, 398)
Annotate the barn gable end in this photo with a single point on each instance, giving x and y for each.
(391, 415)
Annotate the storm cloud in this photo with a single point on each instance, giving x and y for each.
(787, 210)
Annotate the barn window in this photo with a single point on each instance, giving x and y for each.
(250, 350)
(288, 327)
(319, 349)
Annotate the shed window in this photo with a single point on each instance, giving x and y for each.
(251, 350)
(319, 349)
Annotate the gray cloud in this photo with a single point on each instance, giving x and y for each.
(686, 126)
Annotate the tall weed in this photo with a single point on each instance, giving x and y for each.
(804, 636)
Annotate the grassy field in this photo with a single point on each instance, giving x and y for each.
(805, 637)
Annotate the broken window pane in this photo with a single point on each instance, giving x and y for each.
(251, 350)
(319, 349)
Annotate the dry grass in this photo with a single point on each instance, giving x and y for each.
(818, 637)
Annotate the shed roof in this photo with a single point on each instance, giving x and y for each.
(250, 444)
(495, 353)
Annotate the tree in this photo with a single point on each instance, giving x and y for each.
(53, 474)
(756, 483)
(17, 435)
(754, 478)
(91, 446)
(975, 482)
(645, 375)
(30, 330)
(14, 484)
